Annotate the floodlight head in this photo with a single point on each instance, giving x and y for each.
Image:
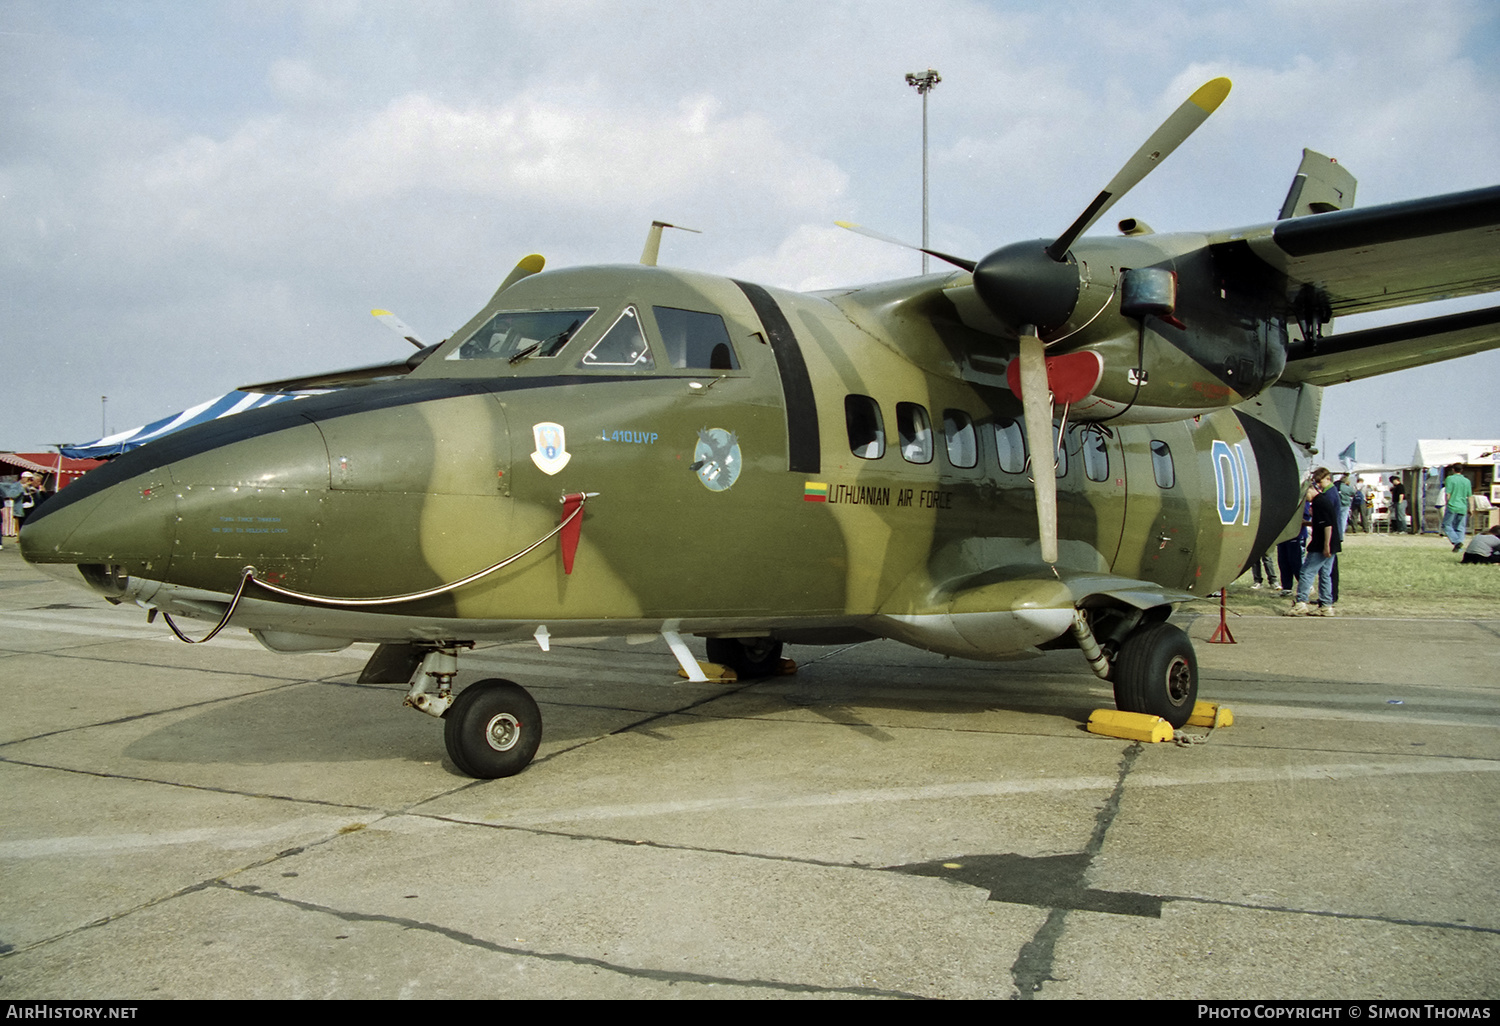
(923, 81)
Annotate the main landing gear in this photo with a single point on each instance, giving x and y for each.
(1157, 673)
(1154, 670)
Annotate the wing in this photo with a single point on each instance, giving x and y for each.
(1387, 256)
(1362, 354)
(1358, 261)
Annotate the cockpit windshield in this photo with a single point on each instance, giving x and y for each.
(512, 334)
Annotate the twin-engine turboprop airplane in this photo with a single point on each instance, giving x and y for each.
(1049, 447)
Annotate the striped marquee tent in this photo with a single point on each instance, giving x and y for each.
(224, 406)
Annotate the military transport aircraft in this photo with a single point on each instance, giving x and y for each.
(1050, 447)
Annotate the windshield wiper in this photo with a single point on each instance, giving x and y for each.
(552, 342)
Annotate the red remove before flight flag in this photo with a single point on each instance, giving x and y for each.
(572, 527)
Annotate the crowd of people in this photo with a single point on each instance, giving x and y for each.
(1334, 505)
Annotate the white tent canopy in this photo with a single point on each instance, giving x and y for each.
(1442, 452)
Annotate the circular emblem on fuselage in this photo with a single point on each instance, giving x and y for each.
(716, 460)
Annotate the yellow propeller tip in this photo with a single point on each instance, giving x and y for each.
(380, 313)
(1210, 94)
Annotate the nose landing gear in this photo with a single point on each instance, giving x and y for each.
(492, 729)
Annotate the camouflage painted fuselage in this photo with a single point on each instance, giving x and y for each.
(757, 498)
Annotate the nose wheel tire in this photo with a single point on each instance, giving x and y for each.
(492, 729)
(1157, 673)
(747, 657)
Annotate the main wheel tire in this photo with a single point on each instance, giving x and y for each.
(492, 729)
(747, 657)
(1157, 673)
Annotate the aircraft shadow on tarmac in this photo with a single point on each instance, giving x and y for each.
(323, 721)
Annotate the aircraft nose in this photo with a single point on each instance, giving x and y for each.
(113, 526)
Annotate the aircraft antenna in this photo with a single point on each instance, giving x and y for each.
(653, 241)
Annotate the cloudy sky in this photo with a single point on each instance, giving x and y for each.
(199, 195)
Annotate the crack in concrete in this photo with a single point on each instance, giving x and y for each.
(637, 972)
(1032, 968)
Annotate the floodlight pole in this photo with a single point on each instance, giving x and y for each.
(923, 81)
(103, 404)
(1382, 426)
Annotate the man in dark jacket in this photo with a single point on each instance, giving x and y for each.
(1323, 544)
(1398, 506)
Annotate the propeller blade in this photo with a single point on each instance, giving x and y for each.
(399, 326)
(870, 233)
(1036, 404)
(1172, 133)
(525, 268)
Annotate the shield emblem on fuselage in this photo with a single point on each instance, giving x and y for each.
(551, 453)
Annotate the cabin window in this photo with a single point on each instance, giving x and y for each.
(513, 332)
(1010, 445)
(1095, 455)
(623, 345)
(695, 341)
(866, 428)
(1161, 465)
(915, 432)
(963, 441)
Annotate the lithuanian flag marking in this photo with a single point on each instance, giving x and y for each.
(815, 491)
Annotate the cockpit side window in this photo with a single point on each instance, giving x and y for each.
(694, 340)
(623, 345)
(514, 332)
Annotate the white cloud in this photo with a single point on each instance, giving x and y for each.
(824, 256)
